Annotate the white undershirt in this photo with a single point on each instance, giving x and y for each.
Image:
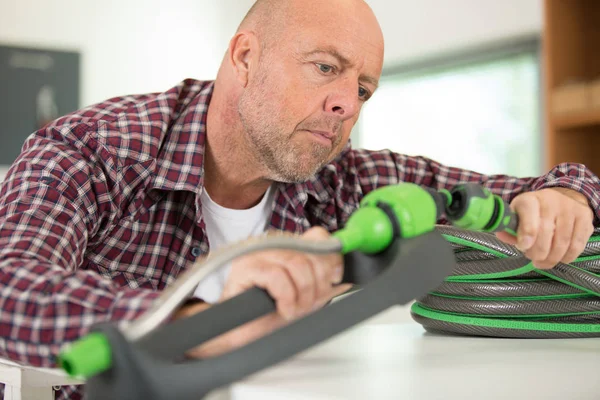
(224, 226)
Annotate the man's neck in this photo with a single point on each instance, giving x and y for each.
(232, 177)
(231, 190)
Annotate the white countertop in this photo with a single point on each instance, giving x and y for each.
(391, 357)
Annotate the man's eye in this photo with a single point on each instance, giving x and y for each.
(324, 68)
(363, 93)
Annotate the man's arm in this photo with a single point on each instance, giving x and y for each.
(54, 199)
(392, 168)
(557, 212)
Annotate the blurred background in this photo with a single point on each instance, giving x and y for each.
(464, 81)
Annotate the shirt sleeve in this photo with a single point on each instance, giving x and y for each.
(53, 200)
(379, 168)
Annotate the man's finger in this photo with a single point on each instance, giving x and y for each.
(543, 243)
(328, 267)
(279, 284)
(582, 230)
(561, 241)
(527, 208)
(303, 277)
(324, 272)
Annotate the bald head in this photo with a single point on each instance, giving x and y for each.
(266, 18)
(270, 19)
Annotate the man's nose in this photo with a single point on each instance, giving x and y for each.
(343, 100)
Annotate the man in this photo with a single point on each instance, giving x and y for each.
(107, 206)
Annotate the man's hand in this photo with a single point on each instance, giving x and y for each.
(554, 226)
(298, 282)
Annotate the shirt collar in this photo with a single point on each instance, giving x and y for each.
(180, 165)
(320, 187)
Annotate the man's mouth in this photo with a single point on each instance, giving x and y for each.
(323, 136)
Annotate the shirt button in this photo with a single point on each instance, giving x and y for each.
(196, 251)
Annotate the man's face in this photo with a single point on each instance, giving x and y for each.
(299, 109)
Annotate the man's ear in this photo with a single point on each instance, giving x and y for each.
(243, 55)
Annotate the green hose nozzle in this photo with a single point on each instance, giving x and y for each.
(87, 357)
(475, 208)
(405, 209)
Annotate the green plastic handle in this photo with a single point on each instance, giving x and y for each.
(370, 229)
(87, 357)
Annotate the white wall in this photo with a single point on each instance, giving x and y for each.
(419, 29)
(133, 46)
(127, 46)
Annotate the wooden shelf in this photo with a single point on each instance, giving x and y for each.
(571, 37)
(577, 119)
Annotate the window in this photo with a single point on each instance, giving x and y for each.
(480, 111)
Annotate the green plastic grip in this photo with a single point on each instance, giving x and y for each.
(370, 229)
(87, 357)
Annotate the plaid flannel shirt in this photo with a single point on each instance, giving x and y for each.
(101, 211)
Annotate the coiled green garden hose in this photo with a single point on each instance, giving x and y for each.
(495, 291)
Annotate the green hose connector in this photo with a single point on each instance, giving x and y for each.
(474, 207)
(370, 229)
(87, 357)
